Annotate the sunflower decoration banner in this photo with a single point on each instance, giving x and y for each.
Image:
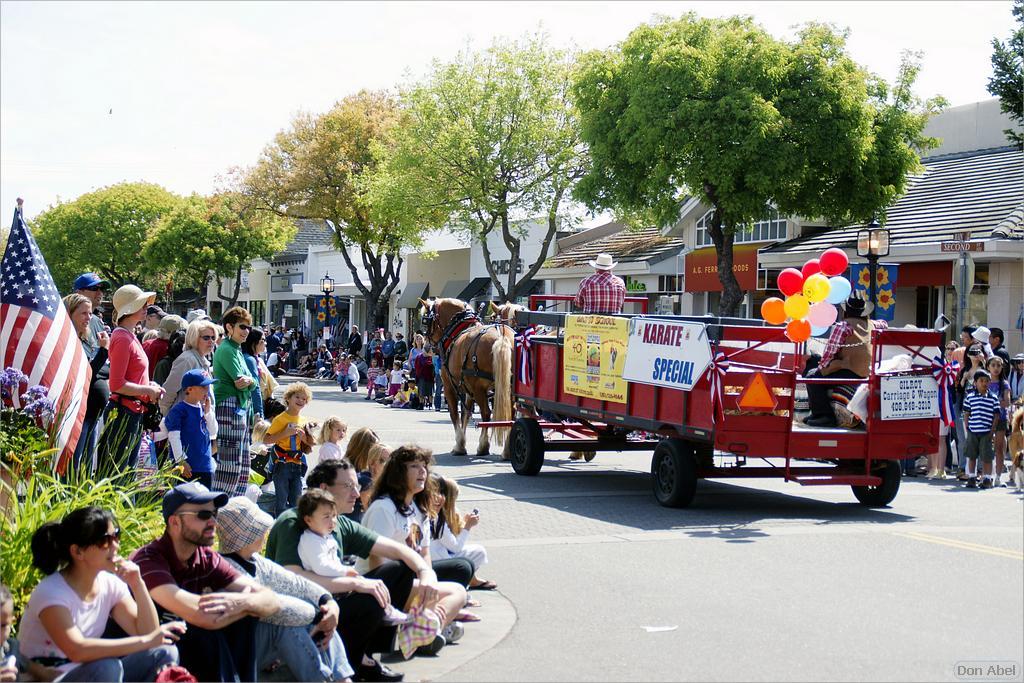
(327, 310)
(885, 287)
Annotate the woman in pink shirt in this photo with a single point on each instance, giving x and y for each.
(130, 386)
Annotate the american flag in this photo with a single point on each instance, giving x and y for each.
(37, 337)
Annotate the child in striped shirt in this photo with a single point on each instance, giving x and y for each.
(981, 414)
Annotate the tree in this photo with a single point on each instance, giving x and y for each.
(1007, 80)
(216, 236)
(720, 110)
(103, 232)
(318, 169)
(488, 141)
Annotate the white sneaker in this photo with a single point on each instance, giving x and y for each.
(453, 631)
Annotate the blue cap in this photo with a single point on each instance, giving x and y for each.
(86, 280)
(192, 492)
(196, 378)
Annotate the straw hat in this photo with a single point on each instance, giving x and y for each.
(603, 262)
(130, 299)
(982, 334)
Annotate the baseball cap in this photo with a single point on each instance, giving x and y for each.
(196, 378)
(86, 280)
(155, 310)
(241, 522)
(197, 314)
(191, 492)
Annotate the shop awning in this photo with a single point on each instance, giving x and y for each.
(414, 291)
(453, 288)
(702, 268)
(475, 286)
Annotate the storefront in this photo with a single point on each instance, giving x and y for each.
(701, 280)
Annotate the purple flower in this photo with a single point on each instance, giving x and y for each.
(34, 393)
(10, 381)
(40, 409)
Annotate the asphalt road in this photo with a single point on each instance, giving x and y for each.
(757, 580)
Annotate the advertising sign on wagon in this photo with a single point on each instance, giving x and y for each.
(594, 351)
(909, 398)
(667, 353)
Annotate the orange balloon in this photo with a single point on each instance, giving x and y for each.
(773, 310)
(798, 330)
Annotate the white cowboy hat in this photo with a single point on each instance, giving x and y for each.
(982, 334)
(130, 299)
(603, 262)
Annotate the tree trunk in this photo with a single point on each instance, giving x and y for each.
(723, 236)
(238, 286)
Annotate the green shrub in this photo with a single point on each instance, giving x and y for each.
(44, 497)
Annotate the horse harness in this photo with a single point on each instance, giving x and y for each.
(459, 324)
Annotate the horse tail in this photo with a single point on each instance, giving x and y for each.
(501, 361)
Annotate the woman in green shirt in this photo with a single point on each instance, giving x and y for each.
(234, 405)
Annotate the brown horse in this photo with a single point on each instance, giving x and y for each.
(475, 358)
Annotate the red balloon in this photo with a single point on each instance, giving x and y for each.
(791, 281)
(833, 262)
(810, 268)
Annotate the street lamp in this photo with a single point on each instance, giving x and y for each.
(327, 285)
(873, 243)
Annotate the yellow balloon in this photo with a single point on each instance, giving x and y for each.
(816, 288)
(796, 306)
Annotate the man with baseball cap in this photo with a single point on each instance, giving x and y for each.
(92, 287)
(188, 579)
(154, 314)
(603, 292)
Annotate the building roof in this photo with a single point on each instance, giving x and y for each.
(311, 233)
(972, 192)
(646, 244)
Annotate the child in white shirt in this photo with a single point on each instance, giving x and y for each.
(331, 435)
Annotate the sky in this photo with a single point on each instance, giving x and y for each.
(93, 94)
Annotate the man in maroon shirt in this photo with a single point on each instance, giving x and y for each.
(188, 579)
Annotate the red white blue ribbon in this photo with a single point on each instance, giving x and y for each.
(525, 365)
(945, 375)
(719, 366)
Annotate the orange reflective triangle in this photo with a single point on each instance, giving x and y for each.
(757, 395)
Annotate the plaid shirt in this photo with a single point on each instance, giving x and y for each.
(840, 331)
(602, 292)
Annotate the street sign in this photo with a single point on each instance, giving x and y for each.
(963, 246)
(963, 274)
(962, 236)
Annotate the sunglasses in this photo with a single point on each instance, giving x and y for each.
(243, 326)
(201, 515)
(209, 337)
(96, 288)
(107, 539)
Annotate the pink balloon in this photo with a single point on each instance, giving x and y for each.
(833, 262)
(822, 314)
(810, 268)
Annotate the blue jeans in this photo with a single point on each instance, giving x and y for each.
(287, 485)
(140, 666)
(86, 444)
(296, 649)
(438, 386)
(347, 382)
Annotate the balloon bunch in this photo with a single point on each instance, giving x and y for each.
(811, 296)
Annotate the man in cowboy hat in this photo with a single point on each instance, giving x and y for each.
(602, 292)
(847, 355)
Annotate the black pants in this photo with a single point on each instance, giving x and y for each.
(818, 394)
(220, 655)
(361, 616)
(455, 569)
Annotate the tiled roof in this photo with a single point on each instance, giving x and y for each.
(311, 232)
(646, 244)
(973, 192)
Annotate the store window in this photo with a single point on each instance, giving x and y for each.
(977, 300)
(770, 228)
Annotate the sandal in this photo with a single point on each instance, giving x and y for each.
(470, 602)
(485, 586)
(463, 615)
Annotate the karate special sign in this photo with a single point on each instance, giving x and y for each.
(666, 353)
(909, 398)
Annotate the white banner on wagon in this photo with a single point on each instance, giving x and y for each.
(909, 397)
(666, 353)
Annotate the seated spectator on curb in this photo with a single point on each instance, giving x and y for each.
(449, 530)
(357, 453)
(400, 496)
(310, 655)
(63, 630)
(362, 600)
(188, 579)
(332, 433)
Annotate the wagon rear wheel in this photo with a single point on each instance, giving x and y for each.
(674, 473)
(883, 494)
(526, 446)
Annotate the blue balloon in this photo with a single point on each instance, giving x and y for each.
(818, 331)
(840, 290)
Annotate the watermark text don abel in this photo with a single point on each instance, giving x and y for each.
(987, 671)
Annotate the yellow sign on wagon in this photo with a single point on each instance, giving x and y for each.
(593, 356)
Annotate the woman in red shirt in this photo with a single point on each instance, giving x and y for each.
(130, 386)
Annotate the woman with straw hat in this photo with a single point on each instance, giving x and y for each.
(131, 390)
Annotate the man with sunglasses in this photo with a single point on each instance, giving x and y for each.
(92, 287)
(187, 579)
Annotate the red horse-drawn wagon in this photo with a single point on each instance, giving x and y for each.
(739, 407)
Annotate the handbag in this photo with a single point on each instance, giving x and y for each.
(151, 418)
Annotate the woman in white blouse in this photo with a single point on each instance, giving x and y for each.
(449, 530)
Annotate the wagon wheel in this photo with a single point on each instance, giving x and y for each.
(674, 473)
(526, 446)
(881, 495)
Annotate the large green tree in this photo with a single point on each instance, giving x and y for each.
(103, 231)
(1007, 80)
(216, 236)
(721, 110)
(318, 168)
(488, 141)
